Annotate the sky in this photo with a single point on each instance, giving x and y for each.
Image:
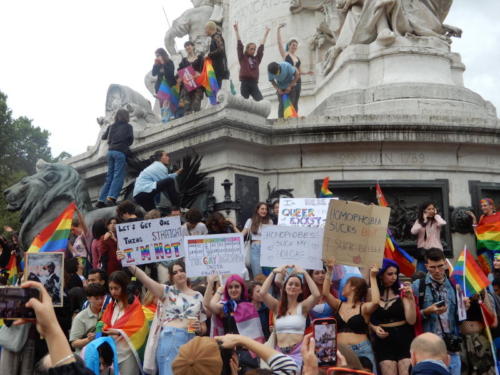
(58, 57)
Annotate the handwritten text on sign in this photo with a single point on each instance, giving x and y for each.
(216, 254)
(150, 241)
(304, 212)
(355, 233)
(282, 245)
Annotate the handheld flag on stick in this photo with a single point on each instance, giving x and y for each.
(325, 192)
(168, 94)
(288, 108)
(12, 271)
(469, 275)
(54, 237)
(392, 249)
(208, 81)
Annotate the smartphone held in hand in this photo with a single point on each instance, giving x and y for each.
(325, 337)
(13, 302)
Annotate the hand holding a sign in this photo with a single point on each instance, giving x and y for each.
(329, 263)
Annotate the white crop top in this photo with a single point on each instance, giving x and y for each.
(295, 323)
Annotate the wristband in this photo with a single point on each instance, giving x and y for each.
(61, 361)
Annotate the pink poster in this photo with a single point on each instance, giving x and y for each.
(187, 75)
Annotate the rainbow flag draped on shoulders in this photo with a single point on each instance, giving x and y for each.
(392, 250)
(54, 237)
(469, 275)
(169, 94)
(325, 192)
(132, 326)
(488, 240)
(208, 81)
(288, 108)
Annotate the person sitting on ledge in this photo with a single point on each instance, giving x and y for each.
(156, 179)
(283, 76)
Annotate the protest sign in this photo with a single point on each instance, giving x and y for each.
(304, 212)
(215, 254)
(355, 233)
(187, 76)
(282, 245)
(150, 241)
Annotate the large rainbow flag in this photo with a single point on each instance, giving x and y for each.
(488, 241)
(208, 81)
(288, 108)
(12, 271)
(469, 275)
(132, 326)
(392, 249)
(325, 192)
(54, 237)
(169, 94)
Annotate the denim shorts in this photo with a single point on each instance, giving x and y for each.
(169, 342)
(364, 349)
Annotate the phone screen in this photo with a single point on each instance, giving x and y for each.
(325, 336)
(13, 301)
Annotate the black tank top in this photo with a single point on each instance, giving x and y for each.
(355, 324)
(394, 313)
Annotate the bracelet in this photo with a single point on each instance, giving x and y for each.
(72, 355)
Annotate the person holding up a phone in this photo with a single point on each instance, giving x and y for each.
(353, 316)
(393, 321)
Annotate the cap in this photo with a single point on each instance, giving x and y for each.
(200, 356)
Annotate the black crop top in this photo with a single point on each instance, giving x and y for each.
(289, 60)
(355, 324)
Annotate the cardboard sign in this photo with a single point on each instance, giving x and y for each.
(355, 233)
(304, 212)
(215, 254)
(283, 245)
(150, 241)
(187, 75)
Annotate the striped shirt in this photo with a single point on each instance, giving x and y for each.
(281, 364)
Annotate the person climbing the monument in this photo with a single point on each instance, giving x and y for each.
(120, 136)
(154, 180)
(164, 70)
(249, 65)
(284, 77)
(191, 92)
(288, 52)
(217, 52)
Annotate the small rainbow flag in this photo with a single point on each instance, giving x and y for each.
(325, 192)
(169, 94)
(54, 237)
(12, 271)
(392, 249)
(469, 275)
(288, 108)
(208, 81)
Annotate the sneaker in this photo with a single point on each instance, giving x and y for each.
(100, 204)
(110, 202)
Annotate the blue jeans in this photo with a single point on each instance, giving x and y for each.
(169, 342)
(115, 175)
(364, 349)
(455, 364)
(255, 259)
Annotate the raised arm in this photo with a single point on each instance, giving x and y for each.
(313, 299)
(155, 287)
(330, 299)
(268, 299)
(280, 42)
(266, 34)
(440, 221)
(214, 306)
(370, 307)
(209, 291)
(417, 227)
(409, 305)
(237, 31)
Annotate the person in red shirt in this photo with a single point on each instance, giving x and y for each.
(108, 247)
(249, 66)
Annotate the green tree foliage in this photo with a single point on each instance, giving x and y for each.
(21, 145)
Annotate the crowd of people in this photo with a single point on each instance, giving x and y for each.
(155, 319)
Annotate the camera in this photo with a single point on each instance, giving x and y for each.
(453, 342)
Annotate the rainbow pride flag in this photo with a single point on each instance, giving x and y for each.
(392, 250)
(469, 275)
(169, 94)
(488, 241)
(54, 237)
(133, 327)
(208, 81)
(12, 271)
(325, 192)
(288, 108)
